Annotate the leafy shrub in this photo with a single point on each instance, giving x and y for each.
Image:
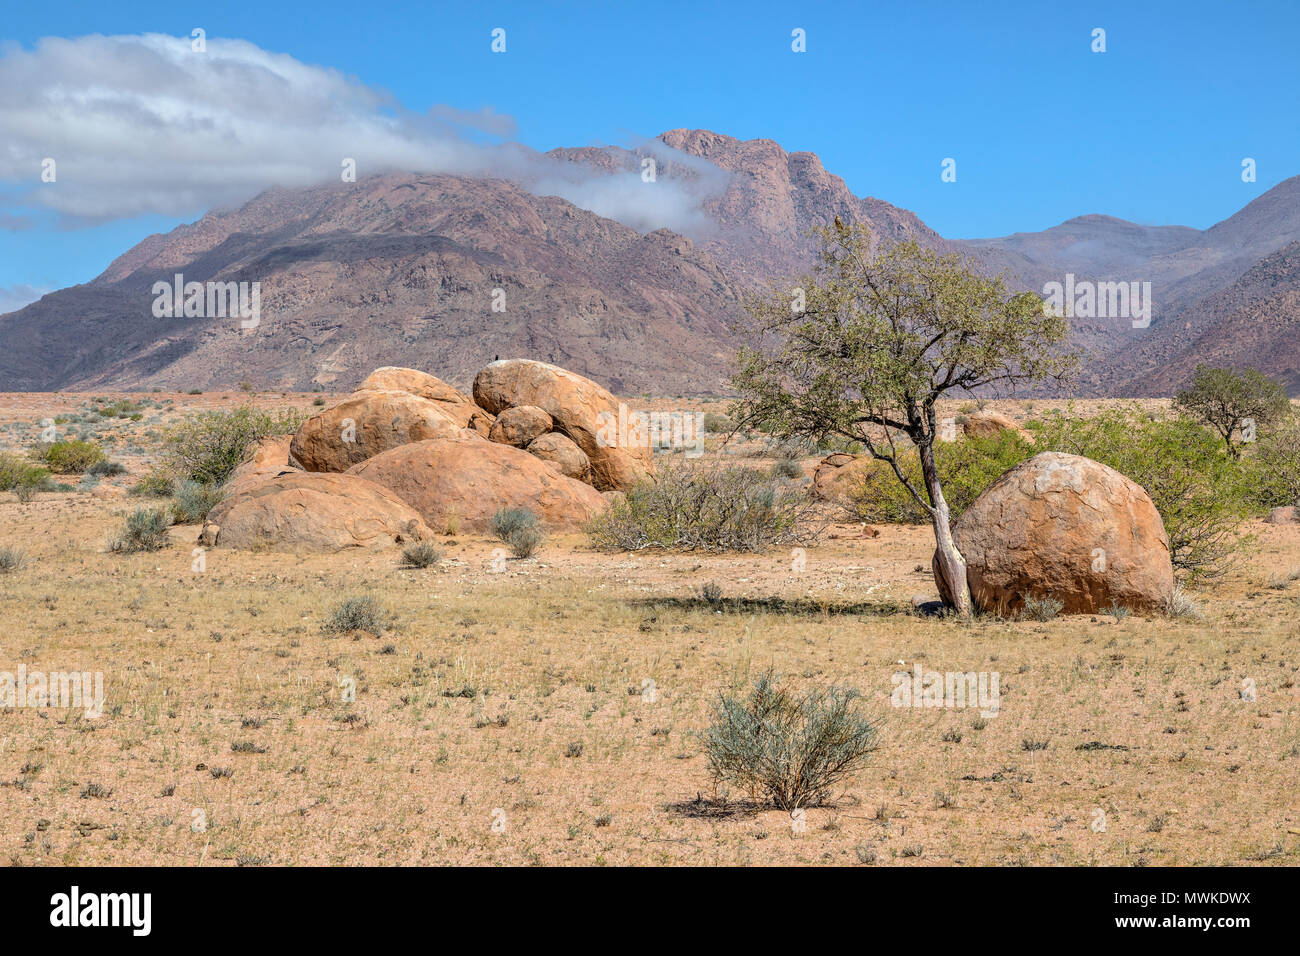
(192, 501)
(524, 542)
(1202, 492)
(105, 468)
(358, 613)
(1226, 400)
(508, 521)
(11, 559)
(156, 484)
(421, 555)
(145, 530)
(1274, 466)
(209, 446)
(715, 509)
(966, 468)
(70, 456)
(785, 748)
(16, 473)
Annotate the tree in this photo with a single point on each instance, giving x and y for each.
(871, 340)
(1230, 402)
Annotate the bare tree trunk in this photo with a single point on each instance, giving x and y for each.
(951, 563)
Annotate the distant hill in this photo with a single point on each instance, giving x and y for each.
(403, 269)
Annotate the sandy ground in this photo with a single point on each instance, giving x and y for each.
(549, 714)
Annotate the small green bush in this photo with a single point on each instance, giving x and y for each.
(11, 559)
(156, 484)
(788, 749)
(508, 521)
(70, 456)
(787, 468)
(712, 509)
(524, 542)
(421, 555)
(145, 530)
(1040, 608)
(192, 501)
(209, 446)
(17, 473)
(357, 613)
(1273, 466)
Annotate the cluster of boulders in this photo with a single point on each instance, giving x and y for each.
(406, 456)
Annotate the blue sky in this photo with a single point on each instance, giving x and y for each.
(1042, 128)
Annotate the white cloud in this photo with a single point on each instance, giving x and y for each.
(143, 124)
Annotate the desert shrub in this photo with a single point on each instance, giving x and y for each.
(69, 456)
(519, 529)
(787, 468)
(1040, 608)
(718, 424)
(509, 521)
(1202, 492)
(16, 472)
(192, 501)
(786, 748)
(361, 612)
(1180, 605)
(106, 468)
(966, 468)
(1227, 400)
(420, 555)
(1273, 466)
(11, 559)
(145, 530)
(156, 484)
(524, 542)
(208, 447)
(716, 509)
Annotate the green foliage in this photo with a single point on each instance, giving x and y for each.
(69, 456)
(1225, 400)
(1274, 465)
(966, 467)
(145, 530)
(105, 468)
(156, 484)
(209, 446)
(786, 748)
(1202, 494)
(192, 501)
(715, 509)
(519, 529)
(361, 612)
(17, 473)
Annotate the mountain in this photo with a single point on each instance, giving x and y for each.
(446, 272)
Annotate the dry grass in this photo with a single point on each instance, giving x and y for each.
(525, 692)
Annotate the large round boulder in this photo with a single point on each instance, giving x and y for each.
(519, 425)
(367, 423)
(470, 479)
(1064, 527)
(459, 406)
(990, 424)
(315, 511)
(619, 451)
(561, 452)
